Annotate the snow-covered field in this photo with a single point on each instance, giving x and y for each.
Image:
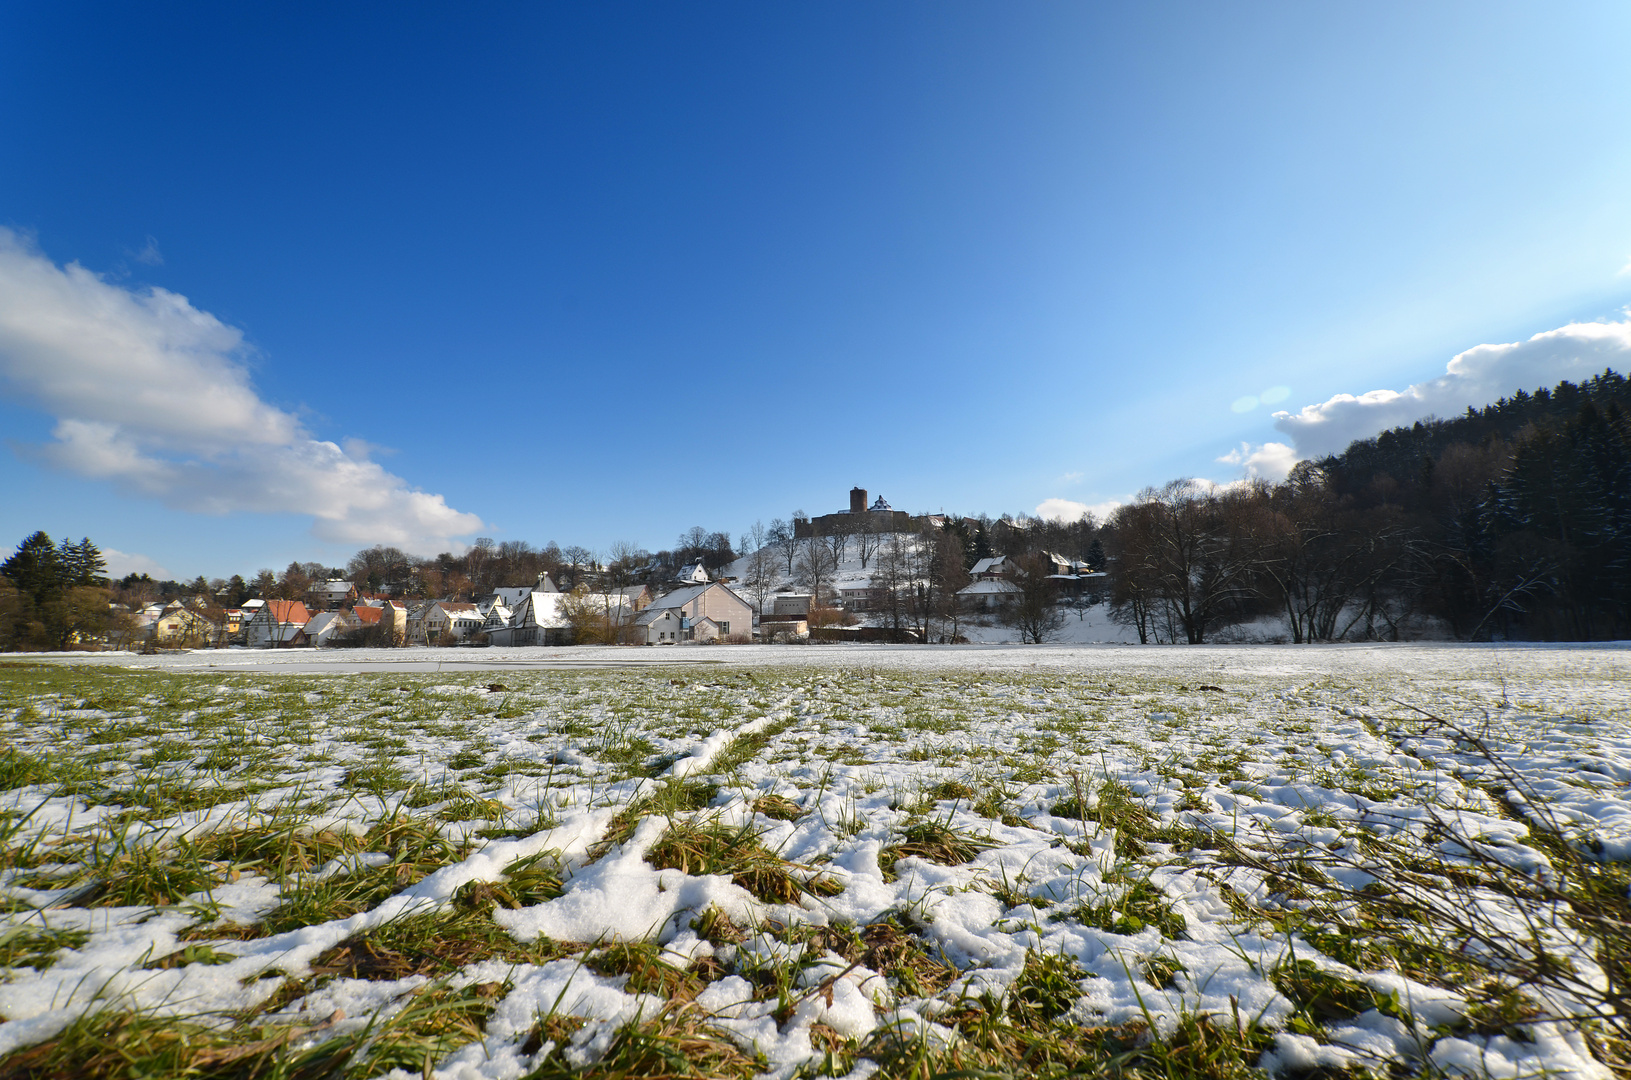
(817, 861)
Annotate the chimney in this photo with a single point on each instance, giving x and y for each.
(857, 500)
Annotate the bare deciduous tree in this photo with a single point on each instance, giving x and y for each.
(816, 567)
(782, 537)
(1035, 612)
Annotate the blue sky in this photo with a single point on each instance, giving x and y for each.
(603, 272)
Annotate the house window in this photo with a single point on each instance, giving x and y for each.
(724, 629)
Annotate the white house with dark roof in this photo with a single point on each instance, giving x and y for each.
(693, 574)
(990, 569)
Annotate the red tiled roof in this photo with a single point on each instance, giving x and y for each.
(368, 616)
(289, 611)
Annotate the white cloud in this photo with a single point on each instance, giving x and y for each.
(1474, 378)
(120, 563)
(1271, 460)
(1067, 510)
(152, 394)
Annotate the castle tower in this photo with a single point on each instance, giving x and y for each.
(857, 500)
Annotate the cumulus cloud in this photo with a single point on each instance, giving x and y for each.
(1474, 378)
(1270, 460)
(1068, 510)
(151, 394)
(120, 563)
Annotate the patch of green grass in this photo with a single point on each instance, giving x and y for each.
(934, 841)
(527, 881)
(708, 847)
(36, 946)
(647, 972)
(1129, 909)
(20, 769)
(1046, 989)
(677, 1044)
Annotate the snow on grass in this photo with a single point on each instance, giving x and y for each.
(819, 861)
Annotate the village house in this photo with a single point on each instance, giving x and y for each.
(711, 612)
(446, 620)
(327, 595)
(325, 626)
(536, 620)
(180, 626)
(277, 624)
(635, 598)
(987, 594)
(992, 569)
(390, 616)
(859, 595)
(692, 574)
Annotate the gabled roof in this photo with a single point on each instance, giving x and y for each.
(451, 608)
(540, 609)
(367, 616)
(511, 595)
(324, 620)
(989, 588)
(654, 614)
(288, 612)
(679, 597)
(694, 572)
(993, 565)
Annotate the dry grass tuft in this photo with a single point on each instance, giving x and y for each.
(675, 1045)
(933, 841)
(434, 946)
(777, 807)
(693, 847)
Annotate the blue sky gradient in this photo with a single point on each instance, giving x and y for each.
(602, 272)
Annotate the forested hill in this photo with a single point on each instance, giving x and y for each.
(1406, 455)
(1515, 518)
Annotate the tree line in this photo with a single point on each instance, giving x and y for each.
(1510, 522)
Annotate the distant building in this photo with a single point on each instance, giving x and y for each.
(323, 628)
(183, 627)
(277, 624)
(325, 595)
(692, 574)
(993, 569)
(447, 619)
(791, 603)
(879, 517)
(536, 620)
(988, 595)
(700, 613)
